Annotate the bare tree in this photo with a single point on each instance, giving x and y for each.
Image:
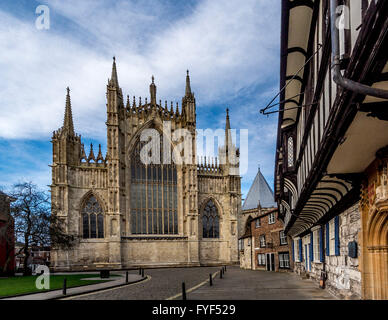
(34, 223)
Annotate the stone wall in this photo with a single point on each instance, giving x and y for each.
(343, 274)
(155, 253)
(246, 254)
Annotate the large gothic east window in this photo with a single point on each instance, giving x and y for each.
(92, 219)
(153, 195)
(210, 221)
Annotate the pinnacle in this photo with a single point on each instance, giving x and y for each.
(114, 79)
(68, 125)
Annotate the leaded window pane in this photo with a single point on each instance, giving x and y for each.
(160, 221)
(100, 222)
(85, 223)
(170, 222)
(144, 222)
(155, 221)
(165, 221)
(93, 226)
(175, 222)
(210, 221)
(149, 230)
(133, 221)
(91, 212)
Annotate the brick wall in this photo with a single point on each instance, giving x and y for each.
(272, 237)
(7, 241)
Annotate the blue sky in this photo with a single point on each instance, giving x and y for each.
(231, 48)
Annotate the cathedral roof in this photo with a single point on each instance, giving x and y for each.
(259, 193)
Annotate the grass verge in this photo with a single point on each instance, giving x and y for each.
(22, 285)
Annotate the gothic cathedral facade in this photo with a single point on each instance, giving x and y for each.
(126, 212)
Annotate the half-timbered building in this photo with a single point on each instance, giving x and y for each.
(332, 145)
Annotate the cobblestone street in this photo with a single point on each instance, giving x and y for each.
(236, 284)
(164, 283)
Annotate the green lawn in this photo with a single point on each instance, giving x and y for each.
(22, 285)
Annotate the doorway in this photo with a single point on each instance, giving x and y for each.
(270, 261)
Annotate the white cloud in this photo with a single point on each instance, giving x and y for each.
(227, 45)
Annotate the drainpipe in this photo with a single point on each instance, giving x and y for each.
(337, 76)
(252, 253)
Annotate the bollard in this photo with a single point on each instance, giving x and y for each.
(210, 279)
(142, 272)
(126, 277)
(221, 274)
(64, 286)
(183, 291)
(225, 268)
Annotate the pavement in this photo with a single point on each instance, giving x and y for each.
(57, 294)
(239, 284)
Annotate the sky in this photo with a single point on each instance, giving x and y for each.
(231, 48)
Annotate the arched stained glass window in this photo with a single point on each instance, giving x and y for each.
(290, 151)
(92, 219)
(210, 221)
(153, 195)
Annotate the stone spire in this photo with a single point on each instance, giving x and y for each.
(83, 154)
(188, 87)
(153, 91)
(128, 103)
(91, 154)
(99, 156)
(114, 82)
(68, 125)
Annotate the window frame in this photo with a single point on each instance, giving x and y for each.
(316, 246)
(296, 250)
(271, 218)
(261, 261)
(154, 195)
(215, 219)
(91, 212)
(257, 223)
(286, 262)
(262, 240)
(241, 244)
(332, 237)
(281, 232)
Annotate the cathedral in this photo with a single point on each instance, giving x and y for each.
(126, 211)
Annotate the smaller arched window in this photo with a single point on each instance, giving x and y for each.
(290, 151)
(92, 219)
(210, 221)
